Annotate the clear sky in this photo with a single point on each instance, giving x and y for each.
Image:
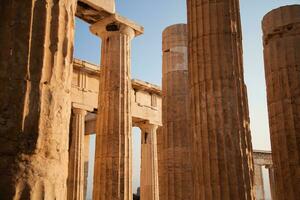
(155, 15)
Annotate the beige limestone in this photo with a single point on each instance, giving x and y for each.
(176, 179)
(149, 189)
(112, 176)
(35, 80)
(76, 156)
(281, 29)
(262, 159)
(259, 183)
(222, 152)
(86, 162)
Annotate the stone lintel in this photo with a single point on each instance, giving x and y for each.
(92, 11)
(145, 86)
(115, 19)
(83, 107)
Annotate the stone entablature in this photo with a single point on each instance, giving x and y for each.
(146, 97)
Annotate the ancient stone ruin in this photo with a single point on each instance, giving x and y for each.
(196, 140)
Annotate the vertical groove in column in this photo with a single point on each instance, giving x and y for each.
(76, 156)
(36, 56)
(176, 144)
(281, 29)
(112, 178)
(222, 149)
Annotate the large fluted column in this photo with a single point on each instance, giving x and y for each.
(177, 183)
(36, 51)
(281, 29)
(76, 156)
(112, 176)
(259, 183)
(222, 154)
(149, 167)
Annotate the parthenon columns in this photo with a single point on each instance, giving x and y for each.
(281, 29)
(36, 55)
(176, 179)
(112, 176)
(149, 167)
(222, 152)
(76, 155)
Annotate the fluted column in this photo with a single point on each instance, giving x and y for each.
(177, 183)
(281, 29)
(149, 168)
(160, 163)
(76, 156)
(36, 52)
(272, 181)
(113, 176)
(222, 152)
(259, 183)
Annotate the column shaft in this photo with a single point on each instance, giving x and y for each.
(149, 167)
(86, 162)
(175, 116)
(259, 183)
(222, 149)
(160, 163)
(36, 55)
(112, 177)
(281, 28)
(272, 182)
(76, 156)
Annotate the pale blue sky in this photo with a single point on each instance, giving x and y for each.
(155, 15)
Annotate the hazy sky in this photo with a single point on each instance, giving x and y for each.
(155, 15)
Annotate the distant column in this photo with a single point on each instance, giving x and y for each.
(281, 29)
(272, 181)
(149, 167)
(113, 159)
(175, 116)
(36, 56)
(76, 156)
(222, 152)
(259, 183)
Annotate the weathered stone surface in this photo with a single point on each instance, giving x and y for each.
(36, 51)
(149, 168)
(222, 152)
(113, 165)
(281, 28)
(176, 176)
(76, 156)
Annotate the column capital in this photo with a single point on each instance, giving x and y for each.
(116, 24)
(147, 126)
(79, 111)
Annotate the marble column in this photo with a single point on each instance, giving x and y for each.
(222, 149)
(76, 156)
(149, 168)
(177, 177)
(86, 162)
(272, 181)
(36, 55)
(259, 183)
(160, 163)
(113, 156)
(281, 38)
